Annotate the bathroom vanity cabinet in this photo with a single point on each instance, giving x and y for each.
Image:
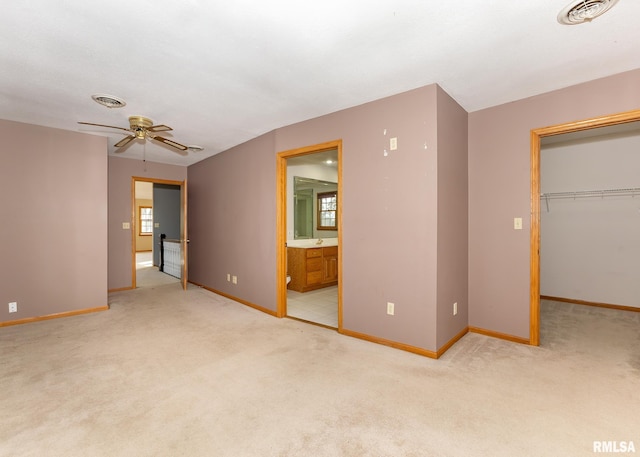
(312, 268)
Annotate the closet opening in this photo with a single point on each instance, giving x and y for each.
(544, 201)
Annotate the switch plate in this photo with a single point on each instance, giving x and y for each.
(126, 226)
(234, 279)
(517, 223)
(13, 307)
(228, 277)
(393, 143)
(455, 308)
(156, 224)
(390, 308)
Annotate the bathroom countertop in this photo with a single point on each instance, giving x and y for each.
(305, 244)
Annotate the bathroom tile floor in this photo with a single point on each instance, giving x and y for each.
(319, 306)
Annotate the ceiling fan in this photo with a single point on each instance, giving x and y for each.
(141, 128)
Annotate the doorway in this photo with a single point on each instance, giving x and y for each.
(168, 204)
(536, 135)
(319, 239)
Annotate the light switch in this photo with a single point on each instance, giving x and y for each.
(126, 226)
(393, 143)
(517, 223)
(156, 224)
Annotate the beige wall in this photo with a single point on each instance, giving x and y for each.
(232, 229)
(414, 253)
(54, 220)
(453, 221)
(121, 171)
(390, 229)
(499, 190)
(392, 258)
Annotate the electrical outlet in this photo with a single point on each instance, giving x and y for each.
(228, 277)
(13, 307)
(455, 308)
(390, 308)
(393, 143)
(234, 279)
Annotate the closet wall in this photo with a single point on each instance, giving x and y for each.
(590, 245)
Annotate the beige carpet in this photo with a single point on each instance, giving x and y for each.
(173, 373)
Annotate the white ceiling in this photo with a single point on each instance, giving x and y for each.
(221, 73)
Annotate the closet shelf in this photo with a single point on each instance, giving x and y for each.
(622, 192)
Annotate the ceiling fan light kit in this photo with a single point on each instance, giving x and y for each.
(141, 127)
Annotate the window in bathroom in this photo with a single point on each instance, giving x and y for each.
(327, 210)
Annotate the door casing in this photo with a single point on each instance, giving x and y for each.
(536, 134)
(183, 225)
(281, 221)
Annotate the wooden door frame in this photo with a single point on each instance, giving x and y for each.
(183, 224)
(281, 221)
(536, 134)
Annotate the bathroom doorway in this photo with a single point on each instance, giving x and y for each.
(309, 219)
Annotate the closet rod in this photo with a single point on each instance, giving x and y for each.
(633, 191)
(592, 193)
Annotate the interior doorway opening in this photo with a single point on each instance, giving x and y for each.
(536, 135)
(309, 251)
(168, 203)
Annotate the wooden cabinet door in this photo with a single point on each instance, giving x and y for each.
(330, 264)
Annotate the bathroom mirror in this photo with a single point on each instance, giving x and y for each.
(305, 192)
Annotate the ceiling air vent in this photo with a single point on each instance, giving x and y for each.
(108, 100)
(581, 11)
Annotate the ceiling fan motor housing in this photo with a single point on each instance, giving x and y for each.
(139, 125)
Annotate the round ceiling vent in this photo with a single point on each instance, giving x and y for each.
(581, 11)
(108, 100)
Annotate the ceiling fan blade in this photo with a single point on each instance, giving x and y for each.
(159, 128)
(102, 125)
(126, 140)
(171, 143)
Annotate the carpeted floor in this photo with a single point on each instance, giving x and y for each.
(171, 373)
